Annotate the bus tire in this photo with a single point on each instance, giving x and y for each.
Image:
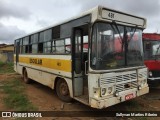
(25, 77)
(62, 90)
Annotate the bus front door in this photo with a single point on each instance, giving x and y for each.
(77, 51)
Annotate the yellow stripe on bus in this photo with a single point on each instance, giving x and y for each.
(57, 64)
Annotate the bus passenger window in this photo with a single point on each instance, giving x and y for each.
(53, 47)
(40, 48)
(23, 49)
(48, 35)
(67, 45)
(34, 38)
(60, 48)
(30, 48)
(26, 49)
(34, 48)
(41, 38)
(47, 47)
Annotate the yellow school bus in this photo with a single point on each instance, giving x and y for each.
(95, 58)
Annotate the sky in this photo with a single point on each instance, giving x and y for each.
(21, 17)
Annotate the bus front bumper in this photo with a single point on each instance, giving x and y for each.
(103, 103)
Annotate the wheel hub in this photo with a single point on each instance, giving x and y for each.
(64, 89)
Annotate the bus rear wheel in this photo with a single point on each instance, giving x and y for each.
(62, 90)
(25, 77)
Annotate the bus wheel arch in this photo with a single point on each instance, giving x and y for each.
(25, 76)
(62, 89)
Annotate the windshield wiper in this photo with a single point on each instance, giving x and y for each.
(133, 33)
(124, 39)
(126, 30)
(114, 23)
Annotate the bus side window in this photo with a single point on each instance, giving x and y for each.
(60, 48)
(34, 43)
(30, 49)
(53, 47)
(40, 48)
(67, 45)
(26, 49)
(47, 47)
(34, 48)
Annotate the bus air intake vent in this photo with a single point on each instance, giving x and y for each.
(122, 82)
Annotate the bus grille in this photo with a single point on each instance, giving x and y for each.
(142, 74)
(121, 82)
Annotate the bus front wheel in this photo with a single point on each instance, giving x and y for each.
(62, 90)
(25, 77)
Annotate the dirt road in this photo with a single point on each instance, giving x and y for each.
(46, 99)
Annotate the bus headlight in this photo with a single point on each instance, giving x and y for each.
(150, 74)
(106, 91)
(103, 91)
(110, 89)
(139, 87)
(143, 83)
(116, 93)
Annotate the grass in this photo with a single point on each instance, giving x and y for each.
(6, 68)
(16, 98)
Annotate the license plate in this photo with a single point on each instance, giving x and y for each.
(129, 96)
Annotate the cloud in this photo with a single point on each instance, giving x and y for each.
(9, 33)
(53, 12)
(31, 15)
(8, 10)
(42, 22)
(141, 7)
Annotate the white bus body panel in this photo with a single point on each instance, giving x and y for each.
(43, 75)
(116, 80)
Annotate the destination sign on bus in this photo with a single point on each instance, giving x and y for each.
(107, 14)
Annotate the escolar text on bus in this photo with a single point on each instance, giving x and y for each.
(36, 61)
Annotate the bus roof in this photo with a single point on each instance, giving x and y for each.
(95, 9)
(151, 36)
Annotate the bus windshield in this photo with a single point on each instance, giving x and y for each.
(151, 49)
(116, 46)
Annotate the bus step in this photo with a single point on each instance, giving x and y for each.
(83, 99)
